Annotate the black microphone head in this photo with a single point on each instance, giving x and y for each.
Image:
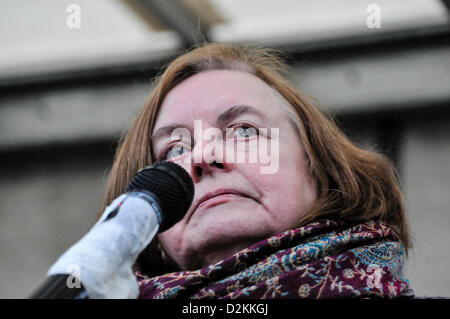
(172, 186)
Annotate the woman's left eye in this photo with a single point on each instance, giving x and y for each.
(245, 131)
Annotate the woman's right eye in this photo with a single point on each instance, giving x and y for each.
(174, 151)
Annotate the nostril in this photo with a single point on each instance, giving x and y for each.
(198, 171)
(216, 164)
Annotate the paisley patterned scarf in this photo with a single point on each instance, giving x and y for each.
(323, 259)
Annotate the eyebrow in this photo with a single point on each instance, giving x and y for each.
(224, 118)
(165, 130)
(235, 111)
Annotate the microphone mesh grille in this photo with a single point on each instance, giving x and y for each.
(173, 187)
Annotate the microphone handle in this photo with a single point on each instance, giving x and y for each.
(56, 287)
(105, 255)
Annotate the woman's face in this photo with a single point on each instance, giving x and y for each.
(255, 203)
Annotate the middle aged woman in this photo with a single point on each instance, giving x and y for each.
(318, 217)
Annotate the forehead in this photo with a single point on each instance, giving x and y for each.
(207, 94)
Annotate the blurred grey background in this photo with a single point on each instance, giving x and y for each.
(69, 88)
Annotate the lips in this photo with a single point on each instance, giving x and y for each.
(219, 195)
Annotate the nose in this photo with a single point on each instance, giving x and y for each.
(203, 164)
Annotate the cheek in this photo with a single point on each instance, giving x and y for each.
(290, 191)
(272, 188)
(171, 239)
(299, 186)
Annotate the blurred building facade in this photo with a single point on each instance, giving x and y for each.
(70, 88)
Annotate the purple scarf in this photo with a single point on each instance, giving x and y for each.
(320, 260)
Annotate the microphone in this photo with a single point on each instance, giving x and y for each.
(100, 264)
